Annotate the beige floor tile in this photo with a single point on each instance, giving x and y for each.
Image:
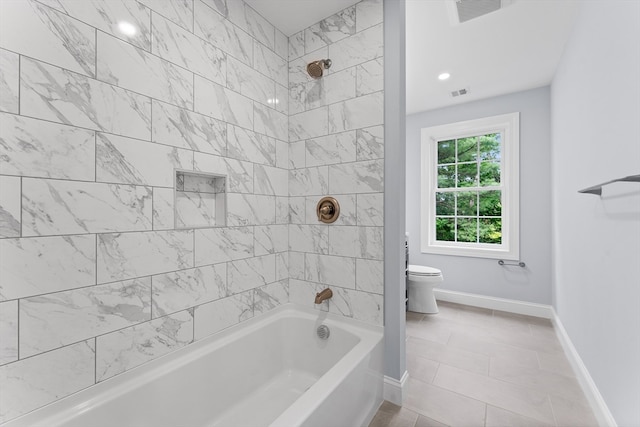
(470, 361)
(438, 332)
(570, 413)
(486, 345)
(557, 363)
(390, 415)
(414, 317)
(498, 417)
(420, 368)
(428, 422)
(544, 381)
(535, 342)
(519, 399)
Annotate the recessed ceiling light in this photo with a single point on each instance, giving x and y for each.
(127, 28)
(444, 76)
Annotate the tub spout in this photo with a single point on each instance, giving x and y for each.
(323, 295)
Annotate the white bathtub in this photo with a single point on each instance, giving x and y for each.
(270, 371)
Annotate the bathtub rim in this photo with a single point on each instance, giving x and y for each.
(62, 410)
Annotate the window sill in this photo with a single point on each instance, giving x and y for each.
(473, 252)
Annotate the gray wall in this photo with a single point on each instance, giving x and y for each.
(596, 137)
(484, 276)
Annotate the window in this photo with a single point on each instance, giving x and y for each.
(470, 182)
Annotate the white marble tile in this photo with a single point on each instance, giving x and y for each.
(296, 265)
(298, 67)
(214, 245)
(196, 209)
(184, 289)
(357, 113)
(34, 382)
(53, 37)
(336, 87)
(37, 148)
(220, 32)
(221, 6)
(127, 255)
(127, 348)
(282, 45)
(131, 161)
(297, 210)
(244, 144)
(368, 14)
(163, 209)
(282, 264)
(282, 210)
(251, 273)
(92, 104)
(331, 149)
(67, 207)
(370, 276)
(297, 152)
(10, 206)
(282, 99)
(370, 77)
(296, 45)
(36, 266)
(371, 242)
(308, 181)
(309, 238)
(9, 81)
(259, 27)
(361, 47)
(8, 331)
(331, 270)
(271, 239)
(270, 122)
(269, 63)
(185, 129)
(282, 154)
(178, 11)
(304, 293)
(344, 241)
(249, 209)
(107, 15)
(221, 314)
(249, 82)
(55, 320)
(370, 143)
(223, 104)
(268, 180)
(363, 306)
(331, 29)
(298, 98)
(358, 177)
(131, 68)
(370, 209)
(310, 124)
(181, 47)
(239, 174)
(266, 298)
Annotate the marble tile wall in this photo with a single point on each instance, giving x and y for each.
(95, 277)
(336, 147)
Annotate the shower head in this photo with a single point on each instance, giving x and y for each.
(316, 68)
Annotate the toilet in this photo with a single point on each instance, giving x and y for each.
(420, 284)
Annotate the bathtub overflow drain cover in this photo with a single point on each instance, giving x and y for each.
(323, 332)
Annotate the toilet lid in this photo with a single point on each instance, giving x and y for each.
(421, 270)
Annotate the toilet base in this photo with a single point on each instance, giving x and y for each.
(422, 299)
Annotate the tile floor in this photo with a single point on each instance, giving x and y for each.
(475, 367)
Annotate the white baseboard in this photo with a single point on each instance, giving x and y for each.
(597, 403)
(493, 303)
(395, 391)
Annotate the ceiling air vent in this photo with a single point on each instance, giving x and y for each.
(459, 92)
(466, 10)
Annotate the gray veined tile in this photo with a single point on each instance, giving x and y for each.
(132, 68)
(331, 149)
(43, 149)
(185, 129)
(55, 320)
(297, 154)
(335, 87)
(239, 174)
(53, 36)
(357, 177)
(184, 289)
(303, 293)
(260, 28)
(175, 44)
(249, 82)
(282, 99)
(270, 64)
(282, 210)
(195, 209)
(282, 154)
(42, 265)
(370, 143)
(9, 81)
(309, 238)
(107, 16)
(370, 209)
(270, 296)
(282, 45)
(344, 241)
(282, 264)
(130, 161)
(250, 209)
(163, 209)
(10, 206)
(361, 112)
(215, 245)
(330, 270)
(271, 181)
(368, 14)
(331, 29)
(223, 104)
(220, 32)
(371, 242)
(221, 314)
(370, 77)
(66, 207)
(270, 122)
(220, 6)
(244, 144)
(92, 104)
(308, 182)
(297, 210)
(128, 255)
(8, 331)
(296, 264)
(362, 306)
(250, 273)
(127, 348)
(296, 45)
(310, 124)
(34, 382)
(370, 276)
(178, 11)
(360, 47)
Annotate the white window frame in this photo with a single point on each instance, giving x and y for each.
(509, 126)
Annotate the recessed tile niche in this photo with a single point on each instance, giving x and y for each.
(200, 200)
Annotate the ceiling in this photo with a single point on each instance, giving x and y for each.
(509, 50)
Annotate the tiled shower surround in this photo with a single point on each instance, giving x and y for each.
(97, 275)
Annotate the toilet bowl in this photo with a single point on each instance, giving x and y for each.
(421, 280)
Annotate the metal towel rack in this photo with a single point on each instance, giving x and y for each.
(597, 189)
(515, 264)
